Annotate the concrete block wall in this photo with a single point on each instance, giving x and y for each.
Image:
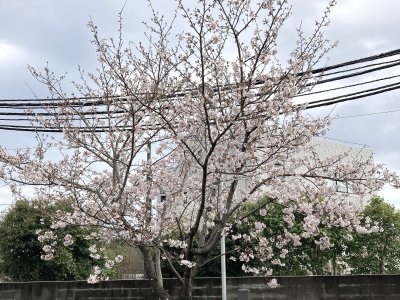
(361, 287)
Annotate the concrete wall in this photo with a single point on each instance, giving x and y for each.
(374, 287)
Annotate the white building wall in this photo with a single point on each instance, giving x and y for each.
(327, 148)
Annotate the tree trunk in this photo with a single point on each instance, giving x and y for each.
(186, 293)
(149, 266)
(383, 257)
(334, 265)
(158, 267)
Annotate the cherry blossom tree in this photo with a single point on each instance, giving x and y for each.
(205, 117)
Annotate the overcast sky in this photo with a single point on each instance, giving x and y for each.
(38, 31)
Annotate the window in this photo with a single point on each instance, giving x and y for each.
(343, 186)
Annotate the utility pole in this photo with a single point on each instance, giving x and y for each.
(223, 267)
(157, 258)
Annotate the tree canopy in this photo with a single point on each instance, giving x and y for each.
(203, 113)
(22, 252)
(379, 252)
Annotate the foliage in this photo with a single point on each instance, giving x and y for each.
(304, 257)
(213, 108)
(132, 263)
(211, 267)
(21, 250)
(316, 254)
(377, 253)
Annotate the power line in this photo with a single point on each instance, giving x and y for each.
(310, 105)
(359, 68)
(90, 115)
(33, 114)
(357, 61)
(356, 73)
(382, 87)
(259, 82)
(376, 92)
(348, 86)
(48, 105)
(343, 141)
(367, 114)
(106, 114)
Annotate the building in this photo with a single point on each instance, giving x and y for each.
(329, 147)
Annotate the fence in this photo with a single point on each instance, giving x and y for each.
(363, 287)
